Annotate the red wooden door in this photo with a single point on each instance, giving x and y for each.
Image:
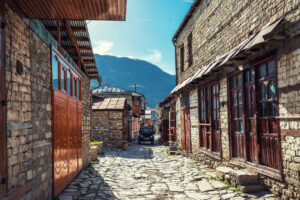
(237, 113)
(2, 110)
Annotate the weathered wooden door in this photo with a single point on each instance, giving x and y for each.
(182, 126)
(237, 113)
(67, 136)
(268, 127)
(2, 109)
(209, 115)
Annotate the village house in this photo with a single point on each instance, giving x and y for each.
(110, 122)
(47, 63)
(237, 99)
(135, 100)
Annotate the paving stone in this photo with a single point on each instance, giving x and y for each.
(145, 173)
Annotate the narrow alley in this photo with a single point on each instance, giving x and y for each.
(148, 172)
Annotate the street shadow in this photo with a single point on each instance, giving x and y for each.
(88, 185)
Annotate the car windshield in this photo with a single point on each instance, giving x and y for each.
(146, 129)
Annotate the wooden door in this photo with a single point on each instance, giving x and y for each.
(2, 109)
(165, 135)
(251, 115)
(187, 129)
(182, 125)
(268, 126)
(237, 113)
(215, 119)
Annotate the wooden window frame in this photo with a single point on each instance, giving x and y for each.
(190, 49)
(181, 56)
(209, 123)
(256, 165)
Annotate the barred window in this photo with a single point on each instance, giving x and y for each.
(190, 50)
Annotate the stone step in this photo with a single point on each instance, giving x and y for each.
(243, 177)
(222, 171)
(252, 188)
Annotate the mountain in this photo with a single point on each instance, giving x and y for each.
(154, 83)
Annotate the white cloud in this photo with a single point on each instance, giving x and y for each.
(102, 47)
(155, 56)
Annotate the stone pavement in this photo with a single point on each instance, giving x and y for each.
(148, 172)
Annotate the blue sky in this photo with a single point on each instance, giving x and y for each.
(146, 34)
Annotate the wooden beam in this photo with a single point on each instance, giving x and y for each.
(90, 62)
(85, 48)
(58, 32)
(51, 28)
(71, 35)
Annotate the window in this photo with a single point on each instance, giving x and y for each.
(209, 117)
(182, 58)
(62, 78)
(74, 87)
(55, 72)
(190, 50)
(78, 85)
(69, 82)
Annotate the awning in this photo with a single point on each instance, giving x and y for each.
(74, 9)
(260, 37)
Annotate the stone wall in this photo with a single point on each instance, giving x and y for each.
(217, 27)
(107, 126)
(194, 119)
(29, 112)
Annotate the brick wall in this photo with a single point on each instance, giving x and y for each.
(107, 126)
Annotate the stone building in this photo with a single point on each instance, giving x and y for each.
(46, 66)
(237, 95)
(110, 121)
(135, 100)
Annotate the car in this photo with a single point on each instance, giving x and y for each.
(146, 133)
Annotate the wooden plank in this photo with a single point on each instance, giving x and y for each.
(71, 35)
(3, 175)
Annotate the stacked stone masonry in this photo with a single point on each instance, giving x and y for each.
(217, 27)
(29, 112)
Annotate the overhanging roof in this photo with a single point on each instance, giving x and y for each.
(74, 9)
(110, 104)
(75, 39)
(264, 35)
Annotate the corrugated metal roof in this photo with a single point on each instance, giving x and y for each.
(110, 104)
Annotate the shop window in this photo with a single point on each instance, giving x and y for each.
(78, 86)
(62, 78)
(74, 87)
(55, 77)
(69, 82)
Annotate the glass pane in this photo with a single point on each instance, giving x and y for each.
(262, 71)
(201, 94)
(218, 115)
(55, 72)
(252, 74)
(240, 97)
(62, 76)
(235, 98)
(233, 82)
(74, 87)
(69, 82)
(217, 89)
(241, 126)
(263, 92)
(236, 127)
(249, 126)
(247, 76)
(235, 112)
(240, 112)
(272, 109)
(214, 115)
(78, 89)
(271, 68)
(263, 109)
(215, 103)
(271, 90)
(240, 79)
(250, 110)
(218, 103)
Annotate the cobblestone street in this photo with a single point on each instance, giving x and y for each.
(148, 172)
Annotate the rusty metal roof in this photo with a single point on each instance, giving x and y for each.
(76, 41)
(74, 9)
(110, 104)
(254, 40)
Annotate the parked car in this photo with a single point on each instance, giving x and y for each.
(146, 134)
